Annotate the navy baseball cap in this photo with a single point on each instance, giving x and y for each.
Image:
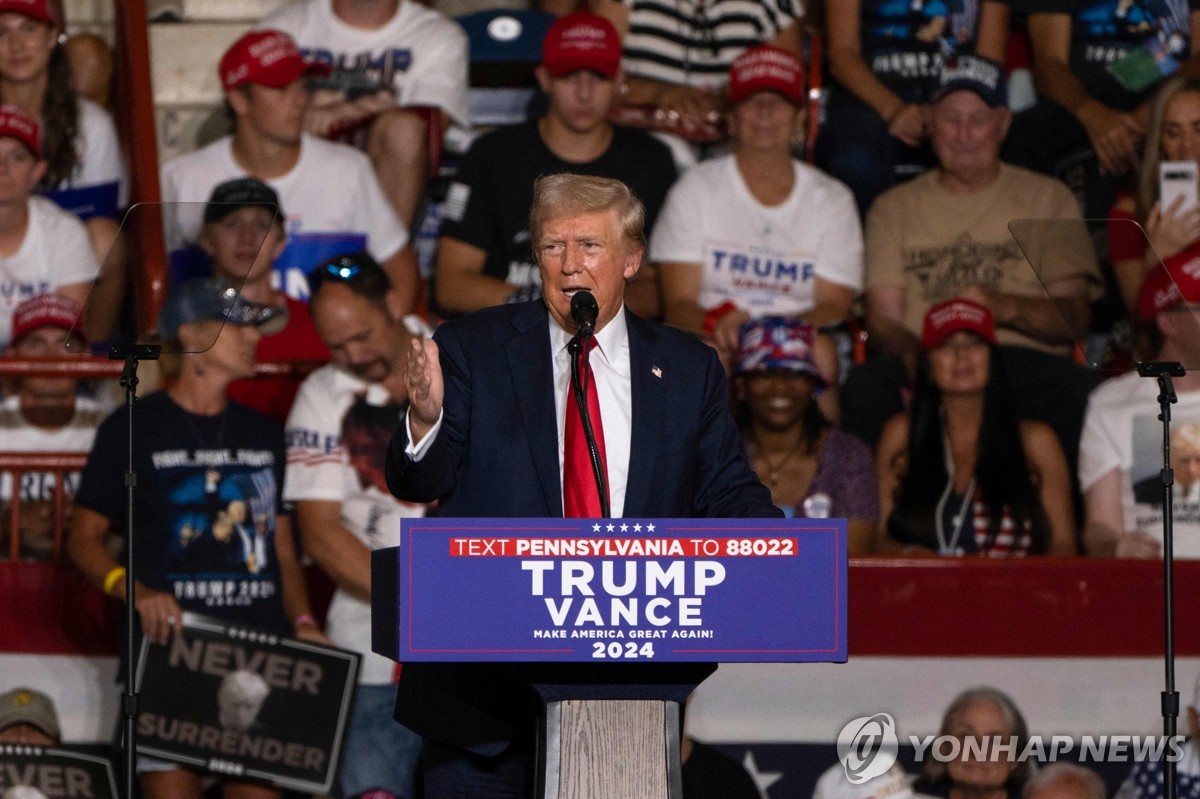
(974, 74)
(206, 299)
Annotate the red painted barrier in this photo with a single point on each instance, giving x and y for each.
(1032, 607)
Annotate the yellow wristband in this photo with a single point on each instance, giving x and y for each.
(110, 580)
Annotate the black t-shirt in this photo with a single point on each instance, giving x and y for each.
(906, 42)
(488, 203)
(1104, 32)
(209, 489)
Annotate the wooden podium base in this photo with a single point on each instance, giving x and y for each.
(601, 748)
(611, 730)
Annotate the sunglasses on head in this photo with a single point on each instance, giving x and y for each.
(341, 269)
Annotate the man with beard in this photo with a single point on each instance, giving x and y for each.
(342, 503)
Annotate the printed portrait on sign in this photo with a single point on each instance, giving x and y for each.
(240, 698)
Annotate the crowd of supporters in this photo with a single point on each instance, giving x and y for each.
(918, 327)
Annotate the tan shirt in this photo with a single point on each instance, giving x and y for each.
(933, 244)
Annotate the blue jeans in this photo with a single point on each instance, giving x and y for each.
(379, 753)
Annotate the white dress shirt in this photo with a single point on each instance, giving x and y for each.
(611, 369)
(610, 365)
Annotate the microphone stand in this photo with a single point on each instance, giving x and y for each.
(1164, 371)
(575, 348)
(132, 355)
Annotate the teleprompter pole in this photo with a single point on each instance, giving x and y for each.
(1163, 371)
(132, 355)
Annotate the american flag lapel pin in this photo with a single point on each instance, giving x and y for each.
(654, 370)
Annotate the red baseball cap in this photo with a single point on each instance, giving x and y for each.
(766, 69)
(581, 41)
(1176, 281)
(46, 310)
(20, 127)
(951, 316)
(267, 57)
(34, 9)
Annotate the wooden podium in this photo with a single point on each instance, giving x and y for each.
(613, 622)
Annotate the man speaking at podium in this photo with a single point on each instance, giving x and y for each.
(494, 430)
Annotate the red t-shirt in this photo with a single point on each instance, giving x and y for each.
(1126, 241)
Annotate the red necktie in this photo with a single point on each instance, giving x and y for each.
(581, 500)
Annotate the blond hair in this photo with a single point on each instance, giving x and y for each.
(567, 194)
(1148, 180)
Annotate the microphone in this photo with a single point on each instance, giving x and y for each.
(584, 311)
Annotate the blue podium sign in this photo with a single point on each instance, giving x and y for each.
(615, 590)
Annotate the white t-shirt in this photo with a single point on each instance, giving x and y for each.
(764, 259)
(18, 435)
(100, 159)
(55, 252)
(324, 465)
(424, 53)
(99, 184)
(892, 784)
(1121, 431)
(331, 197)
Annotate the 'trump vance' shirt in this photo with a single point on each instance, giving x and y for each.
(764, 259)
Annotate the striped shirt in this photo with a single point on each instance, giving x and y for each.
(693, 42)
(1005, 545)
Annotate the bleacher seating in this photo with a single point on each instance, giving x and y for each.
(1056, 629)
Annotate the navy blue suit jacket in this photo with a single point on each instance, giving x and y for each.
(496, 455)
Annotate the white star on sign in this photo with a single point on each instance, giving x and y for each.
(624, 528)
(762, 779)
(637, 528)
(609, 528)
(595, 528)
(650, 528)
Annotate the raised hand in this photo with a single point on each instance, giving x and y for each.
(423, 379)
